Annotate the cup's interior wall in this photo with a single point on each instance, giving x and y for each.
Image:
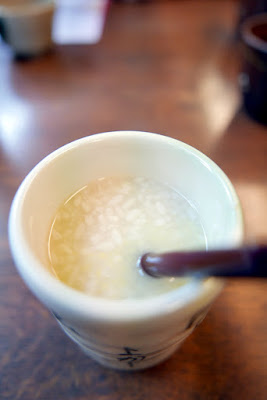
(58, 177)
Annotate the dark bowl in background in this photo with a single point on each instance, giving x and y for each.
(253, 77)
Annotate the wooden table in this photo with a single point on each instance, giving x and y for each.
(164, 66)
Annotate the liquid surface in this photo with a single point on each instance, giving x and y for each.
(101, 231)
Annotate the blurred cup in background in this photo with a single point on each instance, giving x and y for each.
(251, 7)
(26, 25)
(253, 77)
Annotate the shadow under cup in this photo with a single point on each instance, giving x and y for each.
(122, 334)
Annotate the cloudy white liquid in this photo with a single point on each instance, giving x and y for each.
(100, 232)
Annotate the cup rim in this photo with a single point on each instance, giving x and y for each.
(39, 279)
(249, 37)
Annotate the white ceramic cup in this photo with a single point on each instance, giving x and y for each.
(123, 334)
(27, 25)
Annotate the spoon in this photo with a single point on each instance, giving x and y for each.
(247, 261)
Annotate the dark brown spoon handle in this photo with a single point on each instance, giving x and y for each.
(249, 261)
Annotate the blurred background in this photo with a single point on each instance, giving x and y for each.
(194, 70)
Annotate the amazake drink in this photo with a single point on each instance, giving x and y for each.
(100, 232)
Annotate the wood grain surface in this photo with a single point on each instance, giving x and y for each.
(162, 66)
